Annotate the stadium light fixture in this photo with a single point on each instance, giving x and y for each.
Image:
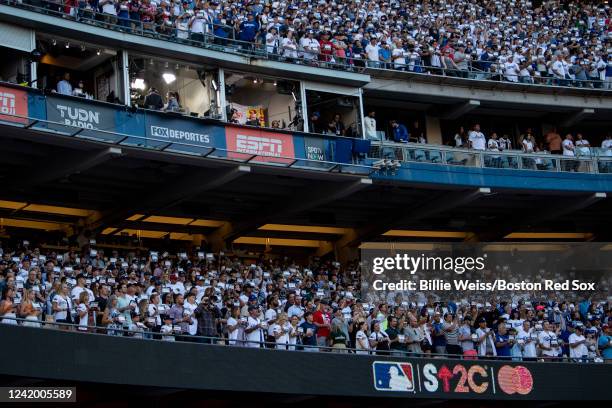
(54, 42)
(292, 94)
(275, 83)
(177, 67)
(67, 45)
(151, 61)
(214, 85)
(98, 52)
(255, 80)
(138, 83)
(169, 77)
(83, 48)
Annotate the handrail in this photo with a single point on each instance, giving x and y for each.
(259, 50)
(445, 155)
(214, 340)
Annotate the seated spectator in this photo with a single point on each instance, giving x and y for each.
(400, 133)
(64, 87)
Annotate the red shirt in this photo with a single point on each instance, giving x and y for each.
(322, 318)
(327, 48)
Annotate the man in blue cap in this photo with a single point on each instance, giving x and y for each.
(248, 29)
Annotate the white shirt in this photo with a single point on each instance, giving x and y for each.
(399, 57)
(289, 48)
(283, 339)
(271, 42)
(233, 335)
(362, 343)
(529, 347)
(607, 145)
(568, 148)
(270, 315)
(82, 319)
(511, 71)
(579, 351)
(372, 51)
(310, 46)
(193, 326)
(255, 335)
(458, 140)
(478, 140)
(109, 7)
(545, 338)
(76, 293)
(370, 127)
(64, 305)
(493, 145)
(558, 68)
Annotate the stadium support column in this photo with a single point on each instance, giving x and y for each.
(221, 99)
(304, 107)
(125, 78)
(361, 114)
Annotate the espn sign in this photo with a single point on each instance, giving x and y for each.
(261, 146)
(13, 102)
(269, 147)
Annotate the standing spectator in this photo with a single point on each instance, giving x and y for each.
(289, 47)
(62, 307)
(528, 341)
(322, 319)
(554, 141)
(272, 41)
(485, 339)
(153, 100)
(197, 26)
(460, 138)
(362, 343)
(308, 332)
(569, 151)
(336, 127)
(326, 48)
(253, 330)
(310, 47)
(577, 345)
(451, 334)
(64, 87)
(548, 343)
(248, 30)
(109, 11)
(503, 343)
(370, 125)
(439, 338)
(206, 315)
(379, 339)
(476, 138)
(605, 342)
(384, 56)
(8, 311)
(373, 52)
(460, 60)
(465, 335)
(400, 133)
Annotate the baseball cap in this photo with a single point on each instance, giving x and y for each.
(252, 297)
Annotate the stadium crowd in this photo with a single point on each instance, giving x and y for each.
(562, 42)
(276, 303)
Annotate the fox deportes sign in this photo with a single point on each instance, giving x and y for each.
(191, 132)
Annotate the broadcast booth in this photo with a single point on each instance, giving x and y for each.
(273, 102)
(16, 54)
(324, 102)
(92, 71)
(195, 88)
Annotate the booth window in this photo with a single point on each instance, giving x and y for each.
(78, 69)
(331, 113)
(15, 67)
(263, 101)
(174, 86)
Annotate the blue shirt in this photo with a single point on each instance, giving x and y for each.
(384, 54)
(503, 351)
(604, 345)
(400, 133)
(248, 30)
(437, 329)
(312, 340)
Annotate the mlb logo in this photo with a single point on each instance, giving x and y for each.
(393, 376)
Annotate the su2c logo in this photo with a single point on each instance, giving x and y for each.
(474, 378)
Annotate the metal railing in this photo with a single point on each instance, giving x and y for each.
(210, 39)
(144, 332)
(599, 162)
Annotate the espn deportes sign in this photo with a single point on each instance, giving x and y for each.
(267, 146)
(452, 379)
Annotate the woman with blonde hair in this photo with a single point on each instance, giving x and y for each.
(83, 311)
(28, 311)
(281, 331)
(112, 317)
